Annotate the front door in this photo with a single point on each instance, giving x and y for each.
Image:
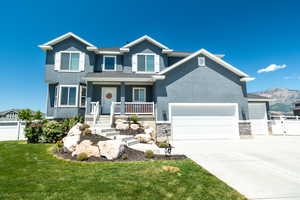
(109, 95)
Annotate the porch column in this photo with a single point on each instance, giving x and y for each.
(89, 94)
(122, 108)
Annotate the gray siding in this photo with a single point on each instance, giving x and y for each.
(190, 83)
(144, 47)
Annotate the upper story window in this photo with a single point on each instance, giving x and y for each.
(68, 95)
(69, 61)
(145, 63)
(201, 61)
(109, 63)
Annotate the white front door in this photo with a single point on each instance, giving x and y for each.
(109, 95)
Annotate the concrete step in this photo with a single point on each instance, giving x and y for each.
(132, 142)
(111, 133)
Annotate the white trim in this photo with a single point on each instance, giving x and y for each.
(70, 52)
(262, 100)
(103, 64)
(109, 52)
(154, 63)
(247, 79)
(80, 96)
(48, 45)
(211, 56)
(119, 79)
(139, 88)
(167, 51)
(76, 99)
(145, 37)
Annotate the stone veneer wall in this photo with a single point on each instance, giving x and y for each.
(245, 128)
(163, 129)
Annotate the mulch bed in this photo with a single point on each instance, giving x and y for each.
(133, 155)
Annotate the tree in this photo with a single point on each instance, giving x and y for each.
(37, 115)
(25, 115)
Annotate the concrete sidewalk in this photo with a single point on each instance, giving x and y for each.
(260, 168)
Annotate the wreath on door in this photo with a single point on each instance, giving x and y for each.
(108, 96)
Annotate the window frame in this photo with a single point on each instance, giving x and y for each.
(137, 63)
(115, 63)
(60, 95)
(139, 88)
(80, 96)
(203, 64)
(70, 52)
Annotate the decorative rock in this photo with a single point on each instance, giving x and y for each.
(146, 126)
(143, 138)
(150, 131)
(162, 139)
(111, 149)
(121, 126)
(73, 137)
(120, 121)
(86, 147)
(134, 127)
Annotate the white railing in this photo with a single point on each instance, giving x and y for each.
(135, 108)
(112, 112)
(285, 125)
(95, 110)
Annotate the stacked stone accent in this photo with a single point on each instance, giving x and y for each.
(245, 128)
(163, 129)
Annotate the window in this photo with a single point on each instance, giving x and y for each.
(201, 61)
(145, 63)
(109, 63)
(82, 96)
(139, 94)
(68, 95)
(69, 61)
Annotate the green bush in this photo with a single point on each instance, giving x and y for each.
(68, 123)
(134, 118)
(82, 157)
(149, 154)
(59, 144)
(87, 132)
(163, 145)
(53, 132)
(84, 127)
(37, 115)
(125, 156)
(33, 132)
(25, 115)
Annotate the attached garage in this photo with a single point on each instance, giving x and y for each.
(192, 121)
(258, 118)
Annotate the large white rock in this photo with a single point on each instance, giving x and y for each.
(146, 125)
(111, 149)
(72, 138)
(86, 147)
(134, 127)
(120, 121)
(149, 131)
(143, 138)
(121, 126)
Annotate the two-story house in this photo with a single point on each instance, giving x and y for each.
(195, 94)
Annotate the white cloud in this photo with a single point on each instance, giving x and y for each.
(272, 68)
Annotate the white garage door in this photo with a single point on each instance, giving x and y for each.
(258, 118)
(204, 121)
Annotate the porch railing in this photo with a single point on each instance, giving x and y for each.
(139, 108)
(95, 110)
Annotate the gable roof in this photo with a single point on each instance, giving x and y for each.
(48, 45)
(145, 37)
(211, 56)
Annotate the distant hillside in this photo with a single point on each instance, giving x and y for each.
(282, 98)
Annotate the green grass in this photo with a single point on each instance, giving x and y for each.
(29, 171)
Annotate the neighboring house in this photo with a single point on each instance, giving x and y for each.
(296, 108)
(10, 115)
(190, 95)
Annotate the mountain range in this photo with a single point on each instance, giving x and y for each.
(283, 98)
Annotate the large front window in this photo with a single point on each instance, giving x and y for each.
(68, 95)
(69, 61)
(145, 63)
(139, 94)
(109, 63)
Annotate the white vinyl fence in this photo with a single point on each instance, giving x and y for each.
(12, 130)
(285, 125)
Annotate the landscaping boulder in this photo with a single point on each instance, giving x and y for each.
(111, 149)
(134, 127)
(146, 125)
(120, 121)
(143, 138)
(150, 131)
(121, 126)
(86, 147)
(72, 138)
(162, 139)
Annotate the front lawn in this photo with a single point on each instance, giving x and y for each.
(29, 171)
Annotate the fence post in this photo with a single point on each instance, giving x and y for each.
(18, 129)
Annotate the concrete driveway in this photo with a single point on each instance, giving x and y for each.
(260, 168)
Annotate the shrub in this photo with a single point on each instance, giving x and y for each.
(84, 127)
(60, 144)
(68, 123)
(149, 154)
(125, 156)
(163, 145)
(53, 132)
(33, 132)
(25, 115)
(134, 118)
(82, 157)
(87, 132)
(37, 115)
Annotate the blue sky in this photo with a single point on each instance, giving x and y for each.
(251, 34)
